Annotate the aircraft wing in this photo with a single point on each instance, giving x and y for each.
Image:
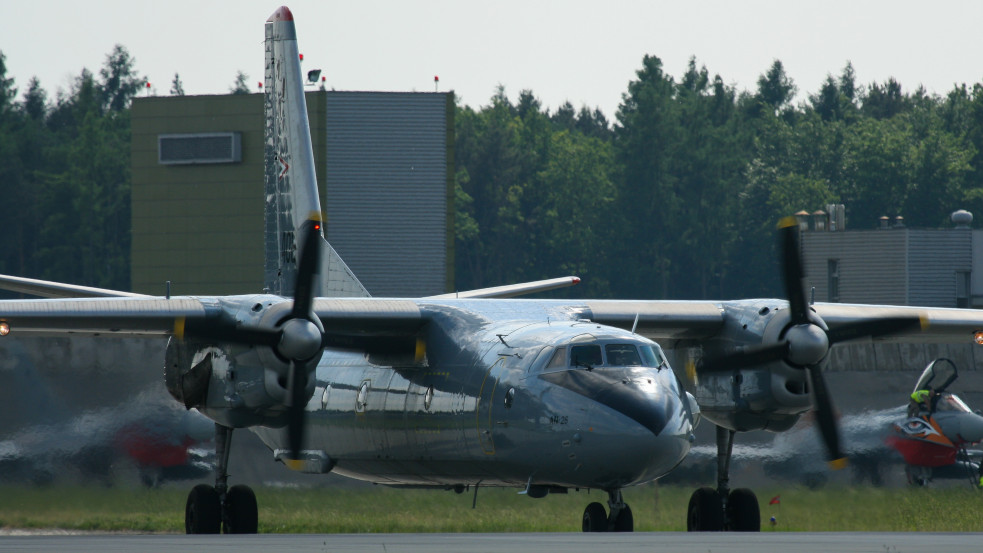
(939, 325)
(120, 316)
(670, 320)
(343, 319)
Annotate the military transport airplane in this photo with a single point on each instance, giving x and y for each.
(465, 389)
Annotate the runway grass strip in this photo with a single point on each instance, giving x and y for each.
(379, 509)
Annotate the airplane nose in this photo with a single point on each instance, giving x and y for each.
(639, 421)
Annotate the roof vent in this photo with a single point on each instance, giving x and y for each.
(199, 148)
(962, 218)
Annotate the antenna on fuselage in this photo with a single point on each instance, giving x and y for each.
(634, 325)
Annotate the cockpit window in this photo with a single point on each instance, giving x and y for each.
(559, 360)
(585, 356)
(622, 355)
(653, 357)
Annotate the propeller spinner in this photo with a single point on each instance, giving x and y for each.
(805, 342)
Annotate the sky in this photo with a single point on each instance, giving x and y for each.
(584, 52)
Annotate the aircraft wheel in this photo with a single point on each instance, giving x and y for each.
(242, 515)
(743, 514)
(595, 518)
(916, 475)
(625, 522)
(706, 511)
(203, 512)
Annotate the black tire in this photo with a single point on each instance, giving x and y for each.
(595, 518)
(706, 511)
(625, 521)
(240, 508)
(203, 512)
(743, 514)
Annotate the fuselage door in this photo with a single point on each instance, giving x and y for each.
(484, 408)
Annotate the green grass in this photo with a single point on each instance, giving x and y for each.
(378, 509)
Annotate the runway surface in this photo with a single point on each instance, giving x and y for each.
(660, 542)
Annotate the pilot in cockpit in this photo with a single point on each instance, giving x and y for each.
(922, 402)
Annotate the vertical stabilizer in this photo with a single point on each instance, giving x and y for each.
(291, 182)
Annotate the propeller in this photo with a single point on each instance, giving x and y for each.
(297, 339)
(804, 343)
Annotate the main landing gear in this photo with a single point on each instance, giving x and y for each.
(715, 510)
(213, 509)
(620, 519)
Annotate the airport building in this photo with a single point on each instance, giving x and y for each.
(892, 264)
(384, 164)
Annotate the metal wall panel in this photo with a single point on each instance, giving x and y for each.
(891, 266)
(934, 258)
(872, 265)
(201, 226)
(387, 189)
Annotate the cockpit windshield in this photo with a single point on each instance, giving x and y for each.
(610, 355)
(951, 402)
(622, 354)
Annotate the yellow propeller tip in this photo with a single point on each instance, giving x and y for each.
(179, 328)
(294, 464)
(691, 371)
(923, 319)
(789, 221)
(837, 464)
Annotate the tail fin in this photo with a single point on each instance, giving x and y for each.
(291, 182)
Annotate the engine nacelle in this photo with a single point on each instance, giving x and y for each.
(237, 385)
(770, 396)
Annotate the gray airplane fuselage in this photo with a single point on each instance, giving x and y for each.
(492, 402)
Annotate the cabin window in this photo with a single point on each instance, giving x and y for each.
(362, 398)
(622, 355)
(585, 356)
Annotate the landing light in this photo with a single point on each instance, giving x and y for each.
(4, 328)
(978, 337)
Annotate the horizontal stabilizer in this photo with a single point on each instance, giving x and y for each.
(49, 289)
(513, 290)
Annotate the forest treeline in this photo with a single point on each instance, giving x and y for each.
(679, 196)
(676, 197)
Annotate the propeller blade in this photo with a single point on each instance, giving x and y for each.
(747, 357)
(307, 267)
(828, 429)
(874, 328)
(792, 271)
(296, 384)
